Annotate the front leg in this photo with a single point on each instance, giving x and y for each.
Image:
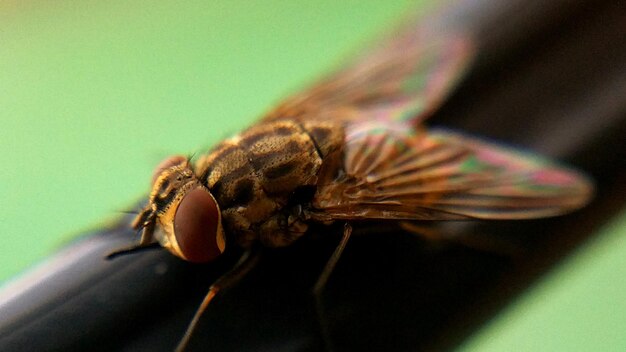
(248, 261)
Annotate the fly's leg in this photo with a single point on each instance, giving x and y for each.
(425, 231)
(460, 234)
(146, 242)
(332, 261)
(323, 279)
(132, 249)
(247, 261)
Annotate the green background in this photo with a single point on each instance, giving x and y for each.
(93, 94)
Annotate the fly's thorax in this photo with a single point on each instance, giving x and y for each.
(255, 174)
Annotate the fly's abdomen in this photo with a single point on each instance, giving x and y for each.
(254, 175)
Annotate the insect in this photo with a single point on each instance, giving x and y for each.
(352, 148)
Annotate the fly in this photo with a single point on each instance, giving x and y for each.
(351, 148)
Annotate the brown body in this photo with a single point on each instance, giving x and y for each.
(351, 148)
(264, 178)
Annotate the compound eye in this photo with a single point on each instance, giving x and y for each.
(166, 164)
(196, 226)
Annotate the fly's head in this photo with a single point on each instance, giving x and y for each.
(182, 214)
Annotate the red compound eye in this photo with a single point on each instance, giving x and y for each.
(166, 164)
(196, 225)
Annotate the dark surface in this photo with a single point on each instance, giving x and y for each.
(549, 77)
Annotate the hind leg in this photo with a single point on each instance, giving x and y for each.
(321, 283)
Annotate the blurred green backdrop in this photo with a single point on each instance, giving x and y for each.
(94, 94)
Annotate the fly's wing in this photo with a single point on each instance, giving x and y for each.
(405, 78)
(389, 171)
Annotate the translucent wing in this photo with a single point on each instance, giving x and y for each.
(390, 171)
(405, 78)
